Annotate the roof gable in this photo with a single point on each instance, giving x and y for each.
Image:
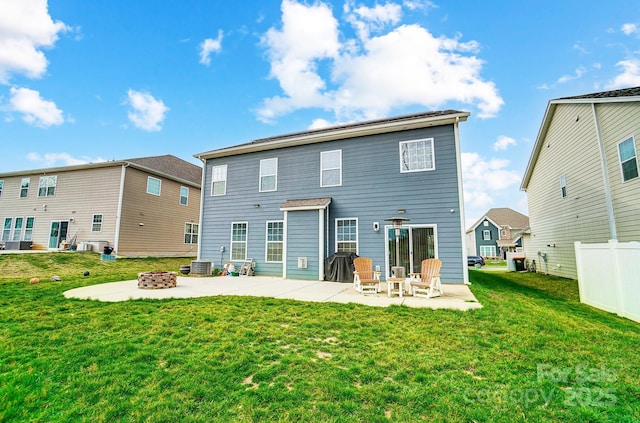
(504, 216)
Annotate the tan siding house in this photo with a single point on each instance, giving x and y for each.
(140, 207)
(574, 179)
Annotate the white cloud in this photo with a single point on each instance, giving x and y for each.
(369, 76)
(484, 179)
(146, 112)
(419, 4)
(630, 77)
(25, 28)
(35, 110)
(630, 28)
(209, 46)
(503, 143)
(566, 78)
(60, 159)
(372, 19)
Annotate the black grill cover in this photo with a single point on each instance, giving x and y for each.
(339, 267)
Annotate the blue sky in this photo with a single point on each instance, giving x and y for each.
(86, 81)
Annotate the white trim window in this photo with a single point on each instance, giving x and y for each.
(239, 241)
(488, 250)
(191, 233)
(331, 168)
(184, 196)
(219, 180)
(347, 235)
(1, 187)
(274, 241)
(47, 186)
(24, 187)
(417, 155)
(154, 185)
(6, 229)
(268, 175)
(486, 235)
(628, 159)
(563, 186)
(17, 228)
(96, 223)
(28, 229)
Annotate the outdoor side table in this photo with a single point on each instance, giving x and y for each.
(391, 287)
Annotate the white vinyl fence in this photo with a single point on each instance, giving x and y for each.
(609, 276)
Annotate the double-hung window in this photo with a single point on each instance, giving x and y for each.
(47, 186)
(486, 235)
(488, 250)
(219, 180)
(96, 223)
(191, 233)
(238, 241)
(275, 241)
(268, 175)
(331, 168)
(28, 229)
(628, 159)
(417, 155)
(154, 185)
(347, 235)
(6, 229)
(184, 196)
(24, 187)
(1, 187)
(17, 228)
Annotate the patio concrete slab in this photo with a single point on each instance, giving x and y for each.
(456, 296)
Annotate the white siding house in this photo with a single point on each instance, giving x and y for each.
(582, 179)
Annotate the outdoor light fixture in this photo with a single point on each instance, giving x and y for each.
(255, 206)
(397, 225)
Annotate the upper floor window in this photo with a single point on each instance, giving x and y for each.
(628, 159)
(268, 175)
(331, 168)
(417, 155)
(153, 185)
(219, 180)
(96, 225)
(238, 241)
(485, 223)
(563, 186)
(47, 186)
(347, 235)
(24, 187)
(184, 196)
(275, 241)
(503, 233)
(191, 233)
(1, 187)
(486, 235)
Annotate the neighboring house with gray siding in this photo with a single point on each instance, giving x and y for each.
(496, 233)
(582, 179)
(145, 206)
(289, 202)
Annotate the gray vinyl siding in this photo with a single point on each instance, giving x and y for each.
(618, 122)
(373, 188)
(571, 149)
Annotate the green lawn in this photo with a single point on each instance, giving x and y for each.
(533, 353)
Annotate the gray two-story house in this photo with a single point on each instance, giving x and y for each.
(289, 202)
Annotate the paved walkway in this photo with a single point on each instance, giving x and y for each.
(456, 296)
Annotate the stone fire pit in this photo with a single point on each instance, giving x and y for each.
(158, 279)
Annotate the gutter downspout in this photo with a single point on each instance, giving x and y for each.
(204, 173)
(456, 136)
(116, 241)
(605, 177)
